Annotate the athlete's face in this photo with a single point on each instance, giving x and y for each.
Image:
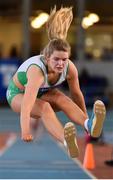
(57, 61)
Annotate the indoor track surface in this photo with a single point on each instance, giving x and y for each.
(44, 158)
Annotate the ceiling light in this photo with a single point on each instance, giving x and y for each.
(94, 17)
(40, 20)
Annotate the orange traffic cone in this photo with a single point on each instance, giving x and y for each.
(89, 161)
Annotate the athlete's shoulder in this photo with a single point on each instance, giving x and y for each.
(28, 62)
(72, 72)
(72, 66)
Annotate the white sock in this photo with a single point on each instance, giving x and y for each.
(85, 124)
(65, 143)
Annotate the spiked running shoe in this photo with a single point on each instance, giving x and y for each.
(70, 139)
(95, 123)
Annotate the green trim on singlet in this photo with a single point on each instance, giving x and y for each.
(43, 60)
(67, 69)
(22, 77)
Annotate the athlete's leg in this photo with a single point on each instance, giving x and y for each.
(93, 125)
(59, 100)
(44, 110)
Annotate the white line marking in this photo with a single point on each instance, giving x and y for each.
(77, 162)
(85, 170)
(11, 140)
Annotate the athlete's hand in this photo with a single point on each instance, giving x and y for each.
(27, 137)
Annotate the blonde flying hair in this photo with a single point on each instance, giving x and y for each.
(59, 23)
(57, 28)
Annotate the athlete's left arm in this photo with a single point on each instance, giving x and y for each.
(74, 87)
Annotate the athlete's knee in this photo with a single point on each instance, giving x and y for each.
(60, 98)
(46, 107)
(63, 99)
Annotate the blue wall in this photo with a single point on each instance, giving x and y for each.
(7, 68)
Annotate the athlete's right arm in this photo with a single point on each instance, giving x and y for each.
(35, 80)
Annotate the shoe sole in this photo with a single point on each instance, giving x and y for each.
(100, 113)
(70, 137)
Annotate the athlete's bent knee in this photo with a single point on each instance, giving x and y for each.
(46, 107)
(63, 99)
